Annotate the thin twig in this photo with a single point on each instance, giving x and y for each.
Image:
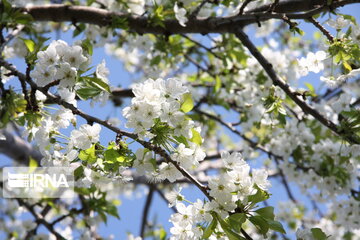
(245, 234)
(39, 219)
(322, 29)
(146, 211)
(201, 45)
(10, 36)
(273, 6)
(243, 6)
(161, 194)
(285, 183)
(253, 144)
(198, 9)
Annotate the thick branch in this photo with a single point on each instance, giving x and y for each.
(140, 24)
(290, 6)
(18, 149)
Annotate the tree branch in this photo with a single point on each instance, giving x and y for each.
(322, 29)
(140, 24)
(18, 149)
(39, 219)
(146, 211)
(277, 81)
(253, 144)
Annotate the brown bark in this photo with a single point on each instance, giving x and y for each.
(294, 9)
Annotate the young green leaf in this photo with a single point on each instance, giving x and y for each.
(260, 196)
(227, 229)
(113, 156)
(318, 234)
(217, 84)
(29, 44)
(266, 212)
(196, 137)
(97, 82)
(260, 223)
(88, 155)
(210, 229)
(188, 103)
(276, 226)
(236, 220)
(87, 92)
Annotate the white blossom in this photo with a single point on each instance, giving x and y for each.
(85, 136)
(180, 14)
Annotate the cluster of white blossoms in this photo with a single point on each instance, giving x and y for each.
(347, 213)
(312, 63)
(297, 138)
(234, 184)
(158, 100)
(63, 63)
(332, 81)
(156, 113)
(59, 62)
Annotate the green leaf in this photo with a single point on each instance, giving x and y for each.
(226, 3)
(22, 18)
(188, 103)
(281, 110)
(217, 84)
(32, 163)
(29, 44)
(98, 83)
(260, 196)
(276, 226)
(227, 229)
(347, 66)
(338, 57)
(266, 212)
(282, 119)
(181, 139)
(78, 173)
(88, 155)
(87, 45)
(79, 29)
(7, 5)
(236, 220)
(260, 223)
(103, 216)
(87, 92)
(196, 137)
(89, 2)
(210, 229)
(318, 234)
(310, 87)
(162, 234)
(156, 60)
(111, 155)
(112, 210)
